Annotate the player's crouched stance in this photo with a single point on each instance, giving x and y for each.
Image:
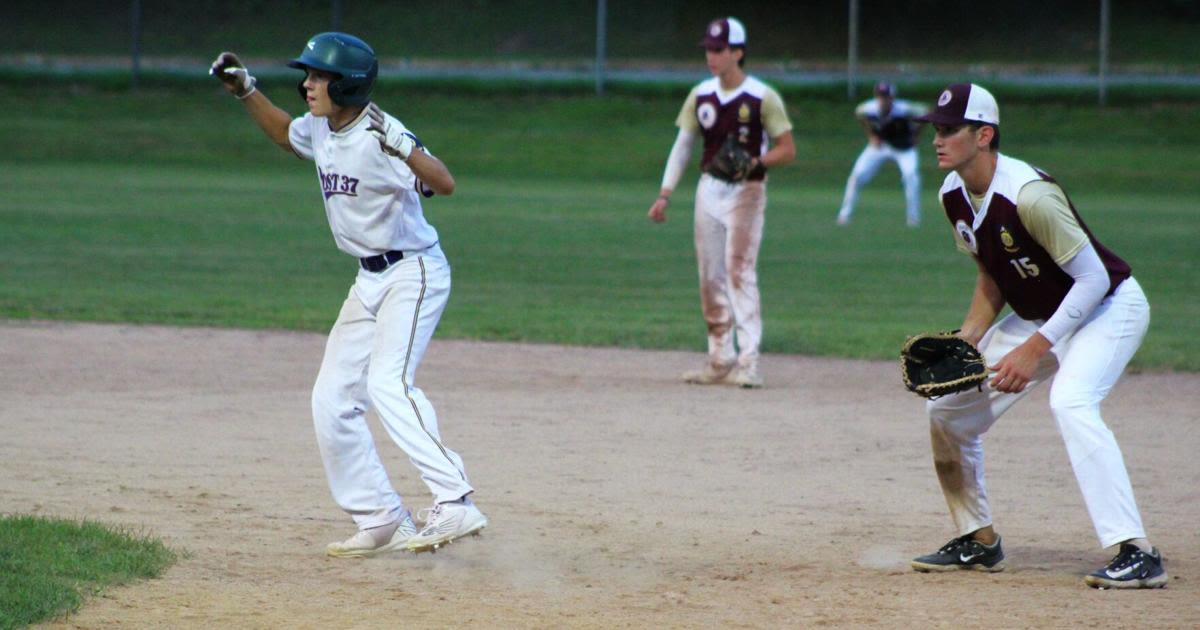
(373, 173)
(1078, 318)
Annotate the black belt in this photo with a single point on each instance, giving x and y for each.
(757, 175)
(382, 261)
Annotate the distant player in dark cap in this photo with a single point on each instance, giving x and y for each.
(891, 135)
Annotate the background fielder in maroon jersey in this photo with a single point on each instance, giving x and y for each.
(729, 214)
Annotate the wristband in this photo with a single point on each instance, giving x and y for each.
(250, 89)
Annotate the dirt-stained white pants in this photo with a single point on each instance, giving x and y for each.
(728, 232)
(865, 169)
(370, 362)
(1085, 366)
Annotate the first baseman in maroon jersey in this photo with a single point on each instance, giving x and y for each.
(1078, 318)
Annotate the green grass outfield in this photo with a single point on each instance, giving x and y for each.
(169, 206)
(47, 566)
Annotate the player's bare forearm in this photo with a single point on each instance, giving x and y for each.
(783, 152)
(432, 171)
(273, 121)
(986, 303)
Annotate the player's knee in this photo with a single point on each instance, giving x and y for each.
(1074, 393)
(330, 401)
(1067, 404)
(382, 384)
(943, 442)
(742, 274)
(323, 404)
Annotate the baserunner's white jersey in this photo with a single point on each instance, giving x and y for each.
(372, 200)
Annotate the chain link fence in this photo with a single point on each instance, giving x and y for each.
(1086, 43)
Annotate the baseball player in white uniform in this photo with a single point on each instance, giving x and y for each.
(1078, 318)
(372, 173)
(729, 214)
(891, 136)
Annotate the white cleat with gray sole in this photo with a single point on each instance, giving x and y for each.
(447, 522)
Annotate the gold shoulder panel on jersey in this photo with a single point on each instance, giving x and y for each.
(1045, 213)
(686, 119)
(774, 115)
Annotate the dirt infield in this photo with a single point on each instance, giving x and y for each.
(618, 497)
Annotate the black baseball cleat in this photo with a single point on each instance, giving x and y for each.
(963, 552)
(1130, 568)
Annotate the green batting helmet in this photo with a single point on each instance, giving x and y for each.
(346, 56)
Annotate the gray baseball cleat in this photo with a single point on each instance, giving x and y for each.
(963, 552)
(1130, 568)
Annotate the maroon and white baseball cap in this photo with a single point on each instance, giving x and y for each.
(724, 32)
(883, 88)
(962, 103)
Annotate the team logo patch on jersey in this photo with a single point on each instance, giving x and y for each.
(334, 184)
(967, 235)
(706, 113)
(744, 113)
(944, 98)
(1007, 240)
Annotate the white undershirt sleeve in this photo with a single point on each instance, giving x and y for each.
(1091, 284)
(681, 154)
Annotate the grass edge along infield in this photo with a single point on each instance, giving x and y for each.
(49, 566)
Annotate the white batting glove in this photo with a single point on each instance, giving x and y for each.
(392, 141)
(233, 74)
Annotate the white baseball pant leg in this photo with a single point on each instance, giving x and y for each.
(1090, 366)
(728, 233)
(371, 359)
(865, 168)
(910, 178)
(1085, 367)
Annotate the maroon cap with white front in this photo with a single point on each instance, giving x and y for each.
(962, 103)
(724, 32)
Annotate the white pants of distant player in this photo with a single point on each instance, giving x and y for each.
(370, 361)
(1085, 366)
(865, 168)
(728, 233)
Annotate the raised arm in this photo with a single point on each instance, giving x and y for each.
(237, 80)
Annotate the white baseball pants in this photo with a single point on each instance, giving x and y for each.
(868, 164)
(728, 233)
(1085, 366)
(370, 361)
